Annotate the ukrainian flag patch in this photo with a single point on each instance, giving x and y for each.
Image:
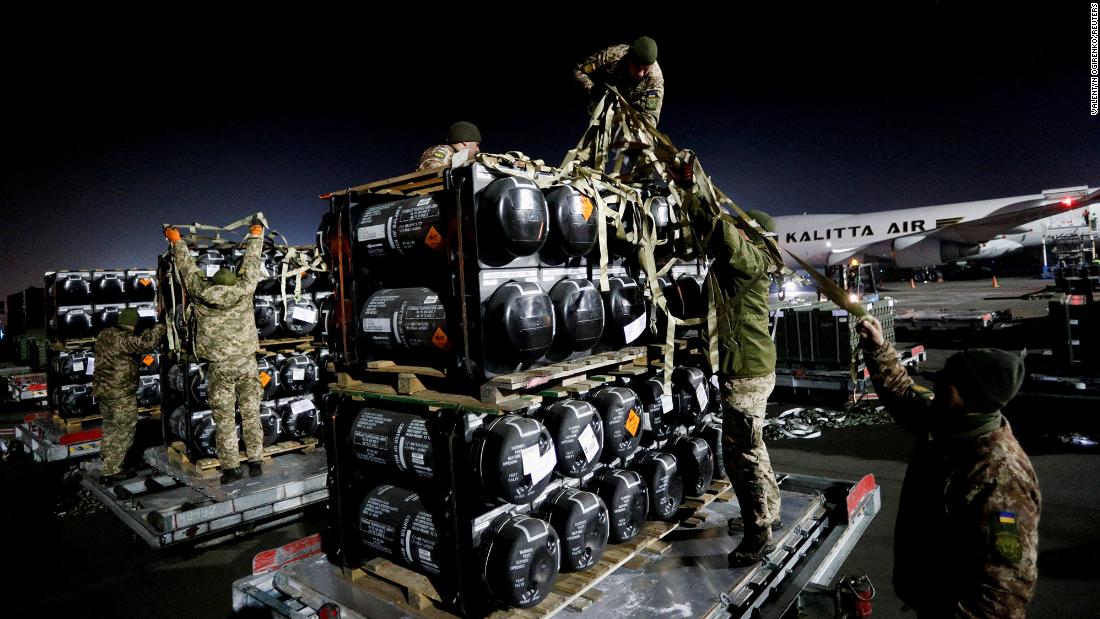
(1007, 518)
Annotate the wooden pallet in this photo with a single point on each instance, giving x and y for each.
(208, 467)
(75, 424)
(404, 379)
(286, 342)
(575, 591)
(79, 344)
(413, 184)
(427, 397)
(510, 386)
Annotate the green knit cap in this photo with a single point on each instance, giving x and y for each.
(128, 317)
(225, 277)
(644, 51)
(762, 218)
(463, 131)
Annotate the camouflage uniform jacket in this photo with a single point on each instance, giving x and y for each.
(609, 66)
(966, 539)
(225, 320)
(436, 157)
(745, 342)
(116, 361)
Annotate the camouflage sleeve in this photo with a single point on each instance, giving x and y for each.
(1008, 522)
(145, 342)
(194, 280)
(651, 98)
(249, 274)
(435, 157)
(907, 402)
(588, 66)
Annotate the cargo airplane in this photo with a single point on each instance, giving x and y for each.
(928, 236)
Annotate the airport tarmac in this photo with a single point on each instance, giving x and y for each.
(90, 564)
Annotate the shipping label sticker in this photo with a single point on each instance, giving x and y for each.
(78, 367)
(536, 464)
(440, 339)
(90, 369)
(300, 406)
(590, 445)
(632, 422)
(298, 374)
(666, 403)
(372, 233)
(211, 269)
(702, 396)
(586, 207)
(147, 312)
(634, 329)
(433, 239)
(265, 378)
(304, 314)
(376, 325)
(148, 360)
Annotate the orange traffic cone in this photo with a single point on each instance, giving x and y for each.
(912, 283)
(995, 284)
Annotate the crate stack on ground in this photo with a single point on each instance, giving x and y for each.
(80, 304)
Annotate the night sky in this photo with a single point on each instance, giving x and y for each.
(207, 118)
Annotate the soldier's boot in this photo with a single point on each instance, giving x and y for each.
(753, 547)
(232, 475)
(255, 468)
(114, 478)
(735, 524)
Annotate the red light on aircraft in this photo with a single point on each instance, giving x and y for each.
(1067, 201)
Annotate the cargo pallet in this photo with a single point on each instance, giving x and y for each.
(965, 321)
(73, 424)
(47, 441)
(526, 383)
(841, 381)
(208, 467)
(679, 566)
(166, 507)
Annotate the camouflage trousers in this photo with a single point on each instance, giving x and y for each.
(235, 385)
(120, 418)
(747, 463)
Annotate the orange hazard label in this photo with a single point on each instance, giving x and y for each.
(586, 207)
(439, 339)
(265, 378)
(434, 239)
(632, 421)
(145, 281)
(148, 360)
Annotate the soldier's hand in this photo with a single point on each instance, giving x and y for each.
(870, 331)
(257, 228)
(171, 234)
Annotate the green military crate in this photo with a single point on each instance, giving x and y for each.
(821, 336)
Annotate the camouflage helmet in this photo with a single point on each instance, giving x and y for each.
(644, 51)
(762, 218)
(224, 277)
(128, 317)
(463, 131)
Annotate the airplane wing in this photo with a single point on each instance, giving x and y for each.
(1005, 218)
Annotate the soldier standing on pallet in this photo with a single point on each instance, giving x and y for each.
(461, 136)
(746, 371)
(114, 382)
(225, 336)
(632, 70)
(970, 494)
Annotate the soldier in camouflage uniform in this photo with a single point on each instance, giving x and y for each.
(225, 336)
(114, 382)
(746, 372)
(966, 538)
(461, 136)
(632, 70)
